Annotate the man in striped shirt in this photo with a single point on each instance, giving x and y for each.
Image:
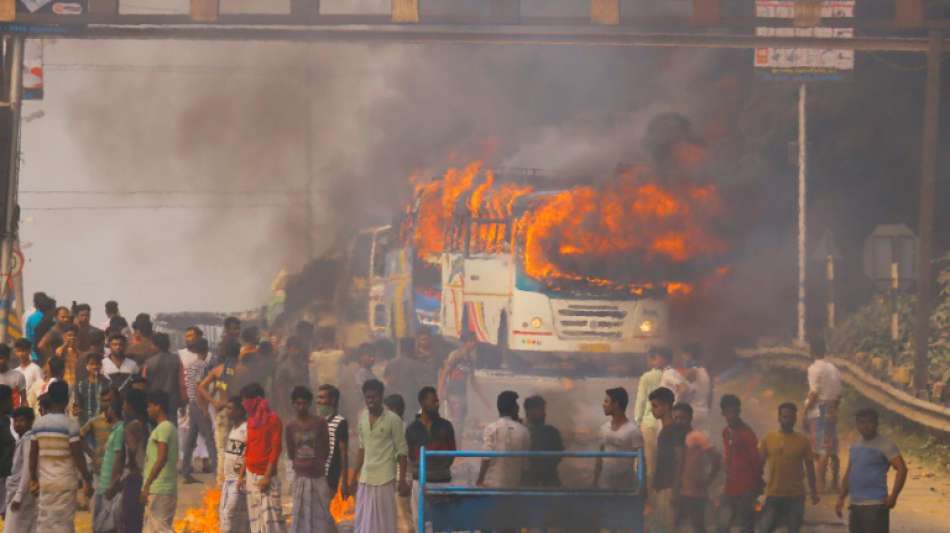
(199, 421)
(328, 403)
(55, 456)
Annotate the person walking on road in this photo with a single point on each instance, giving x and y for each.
(821, 414)
(382, 443)
(788, 457)
(865, 480)
(743, 466)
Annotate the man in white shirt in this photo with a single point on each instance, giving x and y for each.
(506, 434)
(31, 371)
(117, 367)
(672, 379)
(699, 383)
(821, 412)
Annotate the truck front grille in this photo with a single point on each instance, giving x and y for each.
(591, 321)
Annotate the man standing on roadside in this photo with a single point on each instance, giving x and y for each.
(85, 329)
(112, 311)
(118, 368)
(55, 457)
(160, 489)
(788, 457)
(821, 412)
(261, 476)
(457, 377)
(41, 306)
(643, 414)
(435, 433)
(743, 469)
(199, 421)
(382, 445)
(328, 406)
(163, 372)
(53, 338)
(216, 387)
(866, 478)
(308, 446)
(618, 434)
(699, 466)
(12, 377)
(507, 434)
(541, 471)
(231, 334)
(670, 447)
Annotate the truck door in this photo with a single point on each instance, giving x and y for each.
(453, 285)
(378, 317)
(487, 278)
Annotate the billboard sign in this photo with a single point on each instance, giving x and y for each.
(54, 7)
(804, 64)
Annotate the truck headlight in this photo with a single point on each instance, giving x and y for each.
(536, 322)
(646, 326)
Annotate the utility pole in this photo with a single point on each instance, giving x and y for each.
(925, 226)
(802, 207)
(9, 165)
(308, 153)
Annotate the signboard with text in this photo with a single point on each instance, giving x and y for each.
(55, 7)
(804, 64)
(33, 69)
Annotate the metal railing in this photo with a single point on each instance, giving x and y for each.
(464, 490)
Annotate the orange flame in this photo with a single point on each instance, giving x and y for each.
(202, 519)
(342, 510)
(569, 235)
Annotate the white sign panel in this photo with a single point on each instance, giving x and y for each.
(804, 64)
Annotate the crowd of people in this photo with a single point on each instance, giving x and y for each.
(102, 409)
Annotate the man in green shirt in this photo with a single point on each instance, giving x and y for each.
(642, 415)
(382, 442)
(160, 490)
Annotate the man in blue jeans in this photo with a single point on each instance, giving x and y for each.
(789, 458)
(866, 478)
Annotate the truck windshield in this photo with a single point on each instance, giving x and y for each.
(581, 288)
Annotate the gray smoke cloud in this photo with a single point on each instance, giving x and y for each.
(233, 117)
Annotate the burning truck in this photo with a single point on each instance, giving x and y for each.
(572, 283)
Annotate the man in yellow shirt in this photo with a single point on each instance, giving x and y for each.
(788, 455)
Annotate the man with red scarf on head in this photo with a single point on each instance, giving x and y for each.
(259, 477)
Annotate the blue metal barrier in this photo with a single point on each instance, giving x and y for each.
(461, 508)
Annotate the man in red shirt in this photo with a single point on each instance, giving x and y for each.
(264, 431)
(743, 469)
